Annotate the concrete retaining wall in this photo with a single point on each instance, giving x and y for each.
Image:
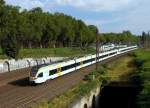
(9, 65)
(87, 101)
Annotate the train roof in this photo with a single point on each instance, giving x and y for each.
(37, 67)
(40, 66)
(43, 66)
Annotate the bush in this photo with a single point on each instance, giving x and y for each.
(142, 61)
(138, 62)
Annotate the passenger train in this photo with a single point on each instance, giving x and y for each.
(40, 74)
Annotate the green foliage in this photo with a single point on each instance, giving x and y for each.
(10, 47)
(91, 81)
(9, 31)
(143, 64)
(37, 29)
(84, 89)
(145, 40)
(126, 37)
(96, 74)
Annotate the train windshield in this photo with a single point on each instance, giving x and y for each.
(34, 70)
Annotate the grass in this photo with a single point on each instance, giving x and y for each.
(51, 52)
(118, 68)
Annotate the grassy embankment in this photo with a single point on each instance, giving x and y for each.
(111, 72)
(51, 52)
(142, 76)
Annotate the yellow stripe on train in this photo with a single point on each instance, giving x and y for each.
(59, 71)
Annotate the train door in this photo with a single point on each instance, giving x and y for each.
(81, 62)
(46, 74)
(59, 73)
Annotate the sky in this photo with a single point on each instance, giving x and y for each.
(107, 15)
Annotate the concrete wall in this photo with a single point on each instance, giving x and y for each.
(86, 102)
(9, 65)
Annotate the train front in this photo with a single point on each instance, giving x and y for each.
(32, 76)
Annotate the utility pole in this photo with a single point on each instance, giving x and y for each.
(97, 48)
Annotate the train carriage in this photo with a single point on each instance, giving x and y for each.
(50, 71)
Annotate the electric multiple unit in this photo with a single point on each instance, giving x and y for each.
(41, 74)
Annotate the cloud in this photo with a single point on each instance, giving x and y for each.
(106, 25)
(102, 21)
(26, 4)
(137, 20)
(97, 5)
(108, 15)
(88, 5)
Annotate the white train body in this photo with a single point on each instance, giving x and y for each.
(44, 73)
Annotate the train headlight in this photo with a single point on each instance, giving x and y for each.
(33, 78)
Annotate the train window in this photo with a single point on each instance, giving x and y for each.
(68, 67)
(113, 53)
(40, 75)
(103, 56)
(52, 72)
(87, 61)
(93, 59)
(77, 64)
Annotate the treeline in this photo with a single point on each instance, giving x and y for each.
(37, 29)
(126, 37)
(145, 40)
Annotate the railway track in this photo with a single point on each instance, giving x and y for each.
(8, 77)
(20, 94)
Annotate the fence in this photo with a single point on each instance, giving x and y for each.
(9, 65)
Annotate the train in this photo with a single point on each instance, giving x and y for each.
(107, 47)
(40, 74)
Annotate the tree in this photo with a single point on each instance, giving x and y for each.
(49, 32)
(10, 46)
(2, 2)
(145, 39)
(37, 10)
(35, 28)
(2, 17)
(126, 37)
(9, 28)
(93, 28)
